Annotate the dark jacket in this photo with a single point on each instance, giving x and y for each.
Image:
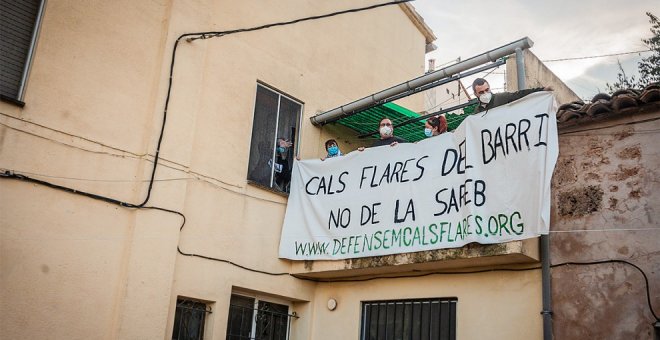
(388, 141)
(505, 98)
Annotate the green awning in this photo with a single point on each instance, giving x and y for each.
(367, 121)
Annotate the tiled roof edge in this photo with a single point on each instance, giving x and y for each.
(605, 105)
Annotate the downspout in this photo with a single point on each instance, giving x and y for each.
(545, 287)
(386, 95)
(546, 297)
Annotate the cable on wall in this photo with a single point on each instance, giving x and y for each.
(9, 174)
(205, 35)
(213, 34)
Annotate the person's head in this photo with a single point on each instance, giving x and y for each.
(331, 147)
(385, 128)
(435, 126)
(283, 145)
(481, 89)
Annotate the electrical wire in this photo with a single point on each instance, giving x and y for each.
(7, 174)
(10, 175)
(66, 134)
(562, 264)
(205, 35)
(213, 34)
(601, 230)
(595, 56)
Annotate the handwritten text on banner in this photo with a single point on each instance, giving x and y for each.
(486, 182)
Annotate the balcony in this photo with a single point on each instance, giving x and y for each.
(468, 256)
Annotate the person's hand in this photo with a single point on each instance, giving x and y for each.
(360, 148)
(395, 143)
(548, 88)
(322, 158)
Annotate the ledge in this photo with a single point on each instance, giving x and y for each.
(470, 255)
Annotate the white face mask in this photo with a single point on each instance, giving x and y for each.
(386, 131)
(485, 98)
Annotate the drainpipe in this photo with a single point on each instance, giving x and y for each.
(545, 239)
(546, 297)
(386, 95)
(545, 287)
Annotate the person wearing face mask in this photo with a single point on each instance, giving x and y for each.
(435, 125)
(282, 168)
(387, 137)
(488, 100)
(332, 149)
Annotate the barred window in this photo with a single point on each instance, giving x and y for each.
(189, 320)
(423, 319)
(254, 318)
(274, 134)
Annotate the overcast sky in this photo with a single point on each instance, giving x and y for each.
(558, 28)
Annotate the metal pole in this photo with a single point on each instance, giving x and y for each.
(379, 97)
(546, 287)
(520, 68)
(438, 83)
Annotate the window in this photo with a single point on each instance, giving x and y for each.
(425, 319)
(189, 320)
(274, 135)
(19, 26)
(254, 318)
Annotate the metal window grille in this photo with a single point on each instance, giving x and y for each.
(425, 319)
(189, 320)
(250, 318)
(275, 116)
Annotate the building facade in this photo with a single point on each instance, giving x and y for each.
(95, 244)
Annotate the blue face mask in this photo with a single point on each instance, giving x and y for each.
(333, 150)
(281, 149)
(428, 132)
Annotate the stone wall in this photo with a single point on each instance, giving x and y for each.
(605, 206)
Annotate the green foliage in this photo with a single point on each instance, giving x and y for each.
(649, 68)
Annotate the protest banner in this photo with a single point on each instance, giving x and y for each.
(487, 182)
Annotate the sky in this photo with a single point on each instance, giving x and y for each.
(558, 28)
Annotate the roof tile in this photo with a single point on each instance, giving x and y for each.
(604, 104)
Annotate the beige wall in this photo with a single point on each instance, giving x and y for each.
(490, 305)
(537, 75)
(73, 267)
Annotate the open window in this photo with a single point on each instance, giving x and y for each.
(275, 131)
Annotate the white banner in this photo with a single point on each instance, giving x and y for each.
(486, 182)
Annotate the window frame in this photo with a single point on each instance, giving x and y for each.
(364, 325)
(27, 66)
(296, 149)
(208, 309)
(261, 298)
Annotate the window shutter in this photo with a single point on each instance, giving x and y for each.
(17, 24)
